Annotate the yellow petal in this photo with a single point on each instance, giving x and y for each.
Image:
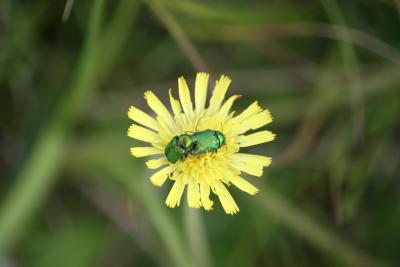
(175, 105)
(255, 138)
(226, 199)
(193, 194)
(242, 184)
(180, 118)
(228, 104)
(201, 91)
(252, 169)
(251, 110)
(145, 151)
(158, 107)
(204, 195)
(156, 163)
(252, 159)
(184, 96)
(142, 118)
(251, 164)
(174, 196)
(254, 122)
(218, 94)
(160, 176)
(165, 129)
(142, 134)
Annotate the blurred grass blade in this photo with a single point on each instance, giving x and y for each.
(142, 190)
(352, 69)
(234, 33)
(177, 33)
(67, 10)
(38, 174)
(117, 33)
(313, 231)
(166, 228)
(214, 12)
(197, 237)
(33, 182)
(87, 156)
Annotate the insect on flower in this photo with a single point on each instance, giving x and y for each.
(198, 147)
(200, 142)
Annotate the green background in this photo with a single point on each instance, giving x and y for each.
(71, 194)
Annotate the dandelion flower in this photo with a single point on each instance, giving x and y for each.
(208, 172)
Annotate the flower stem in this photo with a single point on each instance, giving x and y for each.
(196, 234)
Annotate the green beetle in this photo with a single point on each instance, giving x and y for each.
(179, 147)
(207, 141)
(196, 144)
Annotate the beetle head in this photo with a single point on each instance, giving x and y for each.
(185, 141)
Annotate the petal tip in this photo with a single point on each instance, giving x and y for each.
(156, 182)
(130, 110)
(148, 164)
(133, 152)
(233, 211)
(172, 204)
(270, 115)
(203, 73)
(225, 77)
(210, 208)
(148, 94)
(253, 192)
(130, 130)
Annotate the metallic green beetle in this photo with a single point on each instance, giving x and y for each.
(196, 144)
(179, 147)
(207, 141)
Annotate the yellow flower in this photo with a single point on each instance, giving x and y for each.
(213, 170)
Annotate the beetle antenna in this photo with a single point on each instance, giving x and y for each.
(222, 129)
(197, 123)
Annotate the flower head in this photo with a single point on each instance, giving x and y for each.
(208, 163)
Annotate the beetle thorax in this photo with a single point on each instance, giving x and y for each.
(221, 138)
